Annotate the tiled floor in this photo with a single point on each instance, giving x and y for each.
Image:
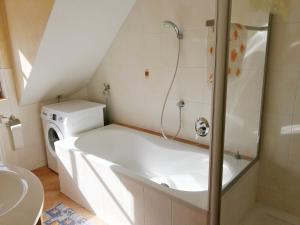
(53, 195)
(264, 215)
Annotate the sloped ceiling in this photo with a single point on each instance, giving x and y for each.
(77, 36)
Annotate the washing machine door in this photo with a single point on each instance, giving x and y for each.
(53, 134)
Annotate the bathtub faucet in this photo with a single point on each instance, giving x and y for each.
(238, 155)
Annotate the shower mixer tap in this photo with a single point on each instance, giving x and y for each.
(201, 127)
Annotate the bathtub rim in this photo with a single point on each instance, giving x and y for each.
(182, 140)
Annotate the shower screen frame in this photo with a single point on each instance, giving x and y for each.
(222, 27)
(262, 103)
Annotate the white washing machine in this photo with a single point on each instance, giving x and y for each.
(67, 119)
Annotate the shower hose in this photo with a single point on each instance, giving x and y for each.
(166, 100)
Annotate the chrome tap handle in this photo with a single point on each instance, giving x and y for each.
(201, 127)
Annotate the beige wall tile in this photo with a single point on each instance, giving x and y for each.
(294, 147)
(143, 43)
(274, 157)
(152, 15)
(194, 48)
(189, 13)
(292, 185)
(284, 50)
(32, 155)
(271, 197)
(123, 201)
(279, 175)
(240, 198)
(296, 116)
(293, 13)
(184, 215)
(281, 88)
(157, 208)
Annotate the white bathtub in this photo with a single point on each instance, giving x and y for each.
(124, 168)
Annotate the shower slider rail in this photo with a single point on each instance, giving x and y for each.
(211, 23)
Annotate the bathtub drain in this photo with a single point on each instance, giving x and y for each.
(165, 185)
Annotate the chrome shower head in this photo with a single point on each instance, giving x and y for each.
(169, 23)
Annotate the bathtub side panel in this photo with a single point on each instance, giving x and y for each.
(114, 198)
(122, 197)
(157, 208)
(183, 214)
(240, 198)
(118, 199)
(68, 178)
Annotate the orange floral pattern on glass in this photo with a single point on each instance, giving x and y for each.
(237, 49)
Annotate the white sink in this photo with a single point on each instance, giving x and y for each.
(21, 196)
(12, 191)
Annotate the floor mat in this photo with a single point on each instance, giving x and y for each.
(61, 215)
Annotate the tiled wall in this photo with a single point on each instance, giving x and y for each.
(32, 155)
(279, 181)
(144, 43)
(241, 197)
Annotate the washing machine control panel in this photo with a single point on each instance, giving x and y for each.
(52, 116)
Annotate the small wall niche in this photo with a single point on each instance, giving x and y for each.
(2, 90)
(4, 82)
